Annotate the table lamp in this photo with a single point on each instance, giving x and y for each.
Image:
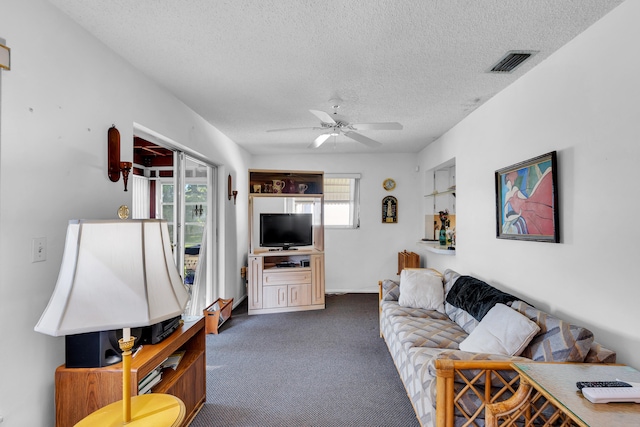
(118, 274)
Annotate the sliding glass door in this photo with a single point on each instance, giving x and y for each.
(194, 229)
(181, 189)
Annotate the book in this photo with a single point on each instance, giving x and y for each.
(147, 388)
(174, 360)
(149, 377)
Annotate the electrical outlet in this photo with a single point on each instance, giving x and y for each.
(38, 249)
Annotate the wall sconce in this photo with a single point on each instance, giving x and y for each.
(231, 193)
(5, 57)
(114, 166)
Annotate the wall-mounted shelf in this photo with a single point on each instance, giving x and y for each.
(450, 190)
(436, 247)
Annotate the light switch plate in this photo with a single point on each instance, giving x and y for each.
(39, 249)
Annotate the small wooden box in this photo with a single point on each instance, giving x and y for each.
(216, 314)
(408, 260)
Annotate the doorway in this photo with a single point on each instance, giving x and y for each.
(170, 184)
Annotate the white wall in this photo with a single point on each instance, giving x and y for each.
(581, 102)
(63, 92)
(356, 259)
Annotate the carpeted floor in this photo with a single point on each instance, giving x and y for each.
(314, 368)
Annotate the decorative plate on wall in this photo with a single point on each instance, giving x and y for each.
(389, 210)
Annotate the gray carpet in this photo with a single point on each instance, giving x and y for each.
(314, 368)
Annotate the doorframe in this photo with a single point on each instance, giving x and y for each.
(215, 273)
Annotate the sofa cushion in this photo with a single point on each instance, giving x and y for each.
(466, 321)
(421, 288)
(557, 340)
(390, 290)
(475, 296)
(502, 331)
(392, 308)
(600, 354)
(434, 332)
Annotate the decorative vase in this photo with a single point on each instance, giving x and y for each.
(443, 234)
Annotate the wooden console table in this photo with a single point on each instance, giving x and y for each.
(81, 391)
(551, 387)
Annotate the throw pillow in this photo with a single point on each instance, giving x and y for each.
(557, 341)
(421, 288)
(502, 331)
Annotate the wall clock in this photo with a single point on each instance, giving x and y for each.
(389, 184)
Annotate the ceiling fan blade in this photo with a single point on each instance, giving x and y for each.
(363, 139)
(377, 126)
(288, 129)
(324, 117)
(320, 140)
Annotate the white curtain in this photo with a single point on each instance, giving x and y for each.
(198, 289)
(140, 187)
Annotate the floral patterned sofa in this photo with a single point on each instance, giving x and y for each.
(450, 372)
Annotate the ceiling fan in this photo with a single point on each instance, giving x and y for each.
(335, 124)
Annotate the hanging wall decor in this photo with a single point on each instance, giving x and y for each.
(527, 200)
(389, 210)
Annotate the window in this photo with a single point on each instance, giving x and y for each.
(342, 200)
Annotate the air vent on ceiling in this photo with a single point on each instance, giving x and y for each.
(511, 61)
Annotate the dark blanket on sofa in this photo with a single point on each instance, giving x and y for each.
(475, 296)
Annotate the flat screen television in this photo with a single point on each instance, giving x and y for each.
(286, 230)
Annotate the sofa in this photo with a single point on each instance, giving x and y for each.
(453, 339)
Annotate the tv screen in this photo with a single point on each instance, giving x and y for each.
(286, 230)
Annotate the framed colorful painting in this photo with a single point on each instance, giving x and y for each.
(527, 200)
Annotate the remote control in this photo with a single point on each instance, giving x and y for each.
(611, 394)
(601, 384)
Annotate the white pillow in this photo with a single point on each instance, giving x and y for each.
(501, 331)
(421, 288)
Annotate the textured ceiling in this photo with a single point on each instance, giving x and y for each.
(248, 66)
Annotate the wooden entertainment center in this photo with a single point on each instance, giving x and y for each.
(81, 391)
(289, 279)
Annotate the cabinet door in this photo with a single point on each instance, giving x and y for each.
(299, 295)
(274, 296)
(317, 279)
(255, 283)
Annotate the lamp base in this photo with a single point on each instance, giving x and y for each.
(147, 410)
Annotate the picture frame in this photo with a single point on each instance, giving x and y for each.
(389, 210)
(527, 200)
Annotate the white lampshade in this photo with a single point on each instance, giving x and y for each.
(114, 274)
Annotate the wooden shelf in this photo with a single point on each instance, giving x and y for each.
(81, 391)
(313, 181)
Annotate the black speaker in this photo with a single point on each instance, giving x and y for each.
(95, 349)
